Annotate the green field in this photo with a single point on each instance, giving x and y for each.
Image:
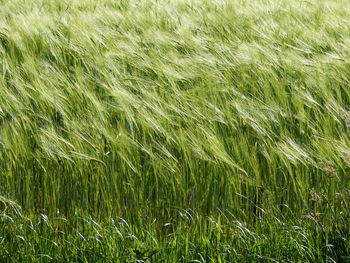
(174, 131)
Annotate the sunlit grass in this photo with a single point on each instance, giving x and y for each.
(143, 110)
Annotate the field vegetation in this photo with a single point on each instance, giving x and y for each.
(174, 131)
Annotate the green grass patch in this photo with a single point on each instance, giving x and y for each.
(174, 131)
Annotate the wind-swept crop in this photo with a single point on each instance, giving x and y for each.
(141, 109)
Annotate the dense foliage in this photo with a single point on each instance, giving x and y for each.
(167, 131)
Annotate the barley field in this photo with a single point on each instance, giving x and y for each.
(174, 131)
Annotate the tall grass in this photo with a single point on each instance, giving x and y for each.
(145, 109)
